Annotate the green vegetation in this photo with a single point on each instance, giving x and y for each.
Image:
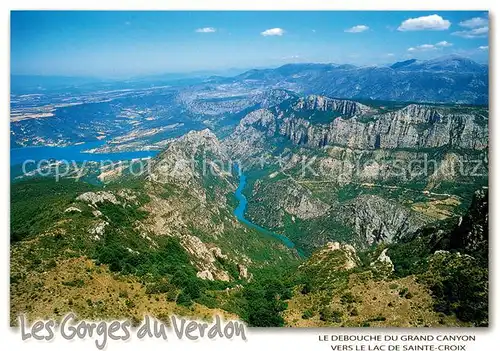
(327, 314)
(38, 204)
(348, 298)
(459, 283)
(460, 286)
(164, 268)
(324, 273)
(308, 314)
(378, 318)
(121, 247)
(264, 303)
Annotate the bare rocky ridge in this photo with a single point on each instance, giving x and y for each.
(249, 138)
(185, 155)
(347, 108)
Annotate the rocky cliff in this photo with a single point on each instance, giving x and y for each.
(377, 220)
(414, 126)
(472, 232)
(347, 108)
(358, 126)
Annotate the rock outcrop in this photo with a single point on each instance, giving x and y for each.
(383, 264)
(347, 108)
(292, 198)
(205, 259)
(472, 232)
(98, 197)
(378, 220)
(189, 158)
(251, 135)
(332, 257)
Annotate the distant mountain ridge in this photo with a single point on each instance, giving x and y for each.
(447, 79)
(450, 63)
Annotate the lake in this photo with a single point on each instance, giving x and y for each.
(72, 153)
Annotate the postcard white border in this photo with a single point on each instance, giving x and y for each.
(273, 339)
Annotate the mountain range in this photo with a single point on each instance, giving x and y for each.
(446, 79)
(449, 79)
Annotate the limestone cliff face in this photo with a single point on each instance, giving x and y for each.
(259, 119)
(377, 220)
(186, 156)
(415, 126)
(321, 103)
(281, 198)
(250, 136)
(361, 127)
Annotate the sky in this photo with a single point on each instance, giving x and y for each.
(126, 44)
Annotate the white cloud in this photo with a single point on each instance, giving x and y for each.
(423, 47)
(273, 32)
(474, 22)
(480, 32)
(390, 54)
(484, 47)
(206, 30)
(444, 43)
(426, 47)
(357, 29)
(432, 22)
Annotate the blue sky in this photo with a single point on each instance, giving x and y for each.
(111, 44)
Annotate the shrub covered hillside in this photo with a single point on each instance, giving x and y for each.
(437, 277)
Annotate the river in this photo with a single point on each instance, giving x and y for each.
(239, 212)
